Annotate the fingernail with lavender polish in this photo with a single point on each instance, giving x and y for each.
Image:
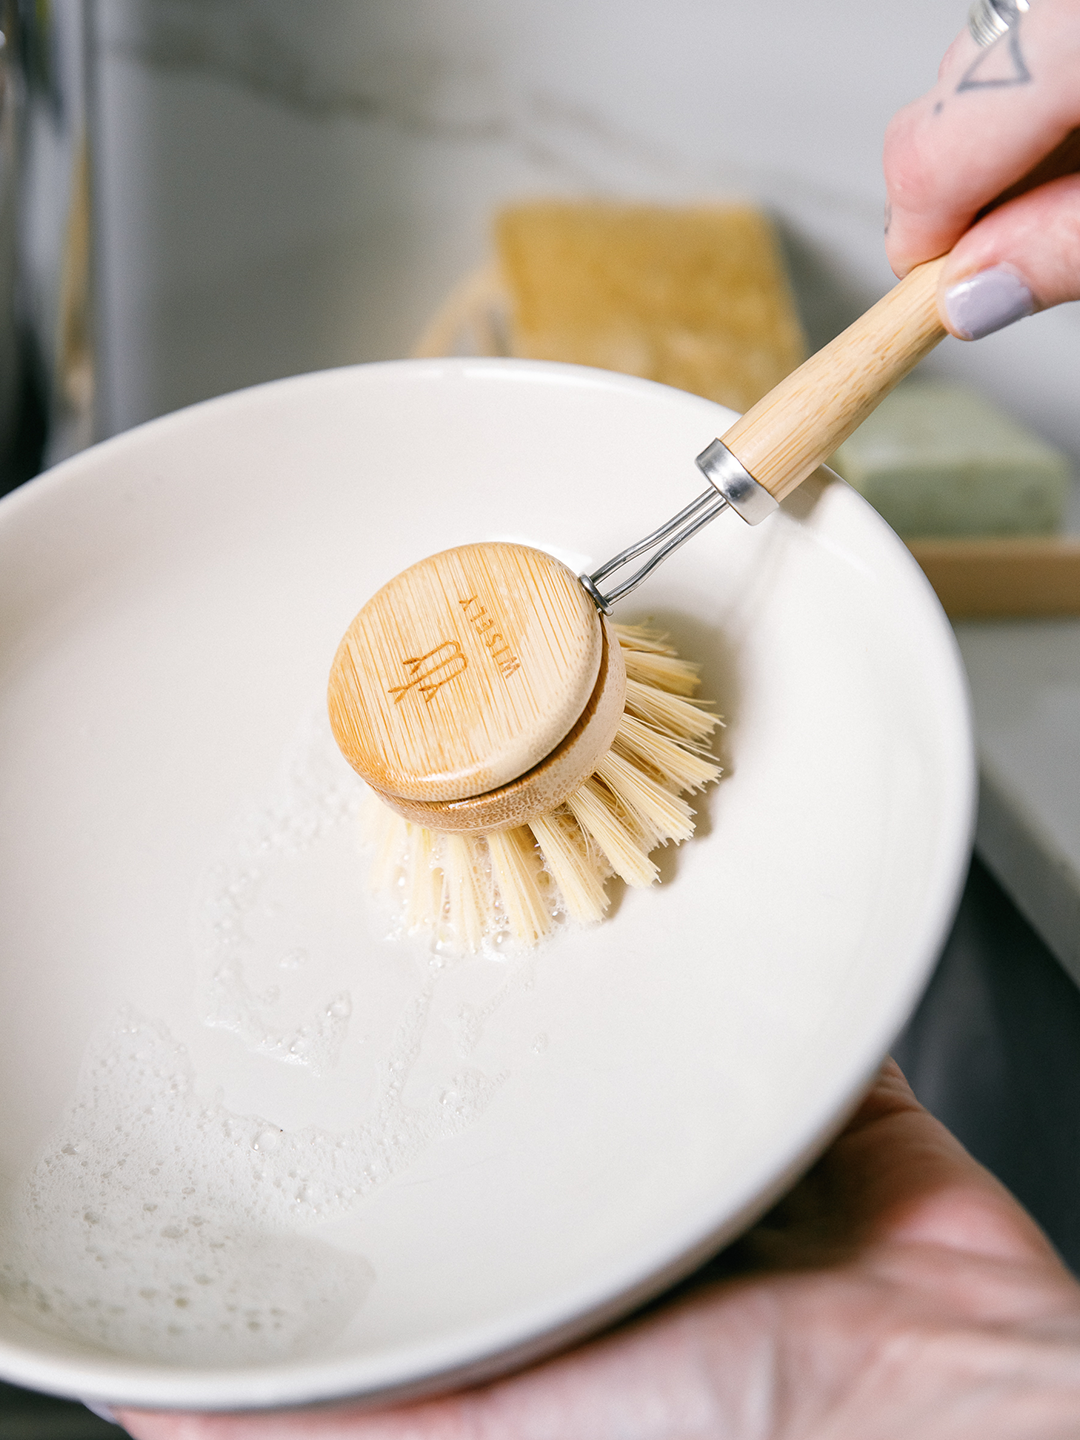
(987, 302)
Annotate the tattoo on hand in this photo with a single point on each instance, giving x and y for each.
(1001, 64)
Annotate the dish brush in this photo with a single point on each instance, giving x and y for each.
(521, 747)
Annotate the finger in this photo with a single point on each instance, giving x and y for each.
(1022, 258)
(652, 1380)
(896, 1177)
(992, 116)
(435, 1420)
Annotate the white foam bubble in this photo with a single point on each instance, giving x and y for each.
(286, 857)
(158, 1225)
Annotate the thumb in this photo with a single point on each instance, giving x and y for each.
(1023, 257)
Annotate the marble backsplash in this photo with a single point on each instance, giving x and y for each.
(282, 188)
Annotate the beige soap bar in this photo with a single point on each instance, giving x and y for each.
(693, 297)
(938, 459)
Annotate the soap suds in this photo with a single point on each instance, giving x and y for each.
(297, 853)
(471, 1020)
(160, 1226)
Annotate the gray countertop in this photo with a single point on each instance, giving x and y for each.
(1025, 688)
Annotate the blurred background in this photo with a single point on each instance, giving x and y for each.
(199, 195)
(213, 193)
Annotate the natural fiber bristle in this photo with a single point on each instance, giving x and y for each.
(643, 637)
(661, 814)
(663, 758)
(423, 883)
(673, 715)
(470, 891)
(518, 874)
(611, 825)
(468, 885)
(665, 672)
(576, 867)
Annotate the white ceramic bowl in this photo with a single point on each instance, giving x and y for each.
(255, 1153)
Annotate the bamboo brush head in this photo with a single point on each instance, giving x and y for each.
(478, 689)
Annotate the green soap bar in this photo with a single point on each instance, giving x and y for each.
(938, 459)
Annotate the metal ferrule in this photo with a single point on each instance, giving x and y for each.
(735, 483)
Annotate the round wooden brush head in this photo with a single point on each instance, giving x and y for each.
(478, 689)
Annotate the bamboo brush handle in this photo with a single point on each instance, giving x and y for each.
(787, 434)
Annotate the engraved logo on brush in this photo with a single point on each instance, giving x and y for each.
(427, 672)
(492, 640)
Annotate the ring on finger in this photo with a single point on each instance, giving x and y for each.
(988, 20)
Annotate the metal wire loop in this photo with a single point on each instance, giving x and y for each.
(676, 532)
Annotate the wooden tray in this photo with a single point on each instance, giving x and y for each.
(1001, 578)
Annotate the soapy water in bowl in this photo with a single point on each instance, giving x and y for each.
(284, 862)
(162, 1225)
(159, 1227)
